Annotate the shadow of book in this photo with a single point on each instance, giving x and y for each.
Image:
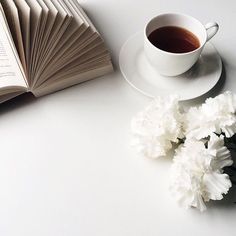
(18, 102)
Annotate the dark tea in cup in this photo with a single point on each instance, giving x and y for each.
(174, 39)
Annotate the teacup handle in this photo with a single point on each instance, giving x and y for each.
(211, 28)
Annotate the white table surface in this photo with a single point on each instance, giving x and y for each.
(66, 166)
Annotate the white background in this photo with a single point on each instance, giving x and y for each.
(66, 167)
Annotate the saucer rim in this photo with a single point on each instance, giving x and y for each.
(139, 33)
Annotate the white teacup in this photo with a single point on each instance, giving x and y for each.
(172, 64)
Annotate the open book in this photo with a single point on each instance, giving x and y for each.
(46, 46)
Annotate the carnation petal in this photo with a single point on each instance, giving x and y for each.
(216, 115)
(216, 184)
(156, 127)
(197, 175)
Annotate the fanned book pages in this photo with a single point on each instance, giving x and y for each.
(46, 46)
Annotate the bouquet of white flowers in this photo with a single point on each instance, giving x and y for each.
(202, 134)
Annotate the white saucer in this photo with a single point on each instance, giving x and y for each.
(201, 78)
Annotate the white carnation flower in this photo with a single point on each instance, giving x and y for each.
(215, 115)
(221, 156)
(157, 127)
(197, 175)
